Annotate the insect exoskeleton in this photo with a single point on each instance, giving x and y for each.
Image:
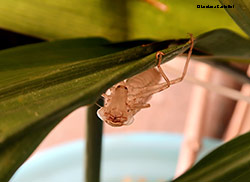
(116, 111)
(128, 97)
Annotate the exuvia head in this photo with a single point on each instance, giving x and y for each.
(113, 118)
(115, 111)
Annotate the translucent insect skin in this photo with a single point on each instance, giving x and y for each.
(127, 98)
(130, 96)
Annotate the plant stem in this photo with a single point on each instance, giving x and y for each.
(93, 145)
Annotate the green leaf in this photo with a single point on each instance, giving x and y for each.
(229, 162)
(40, 84)
(224, 44)
(240, 13)
(115, 20)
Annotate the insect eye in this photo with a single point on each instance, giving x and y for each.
(119, 86)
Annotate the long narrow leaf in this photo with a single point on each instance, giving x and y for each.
(36, 99)
(115, 20)
(240, 13)
(230, 162)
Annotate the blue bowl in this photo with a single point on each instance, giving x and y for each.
(149, 156)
